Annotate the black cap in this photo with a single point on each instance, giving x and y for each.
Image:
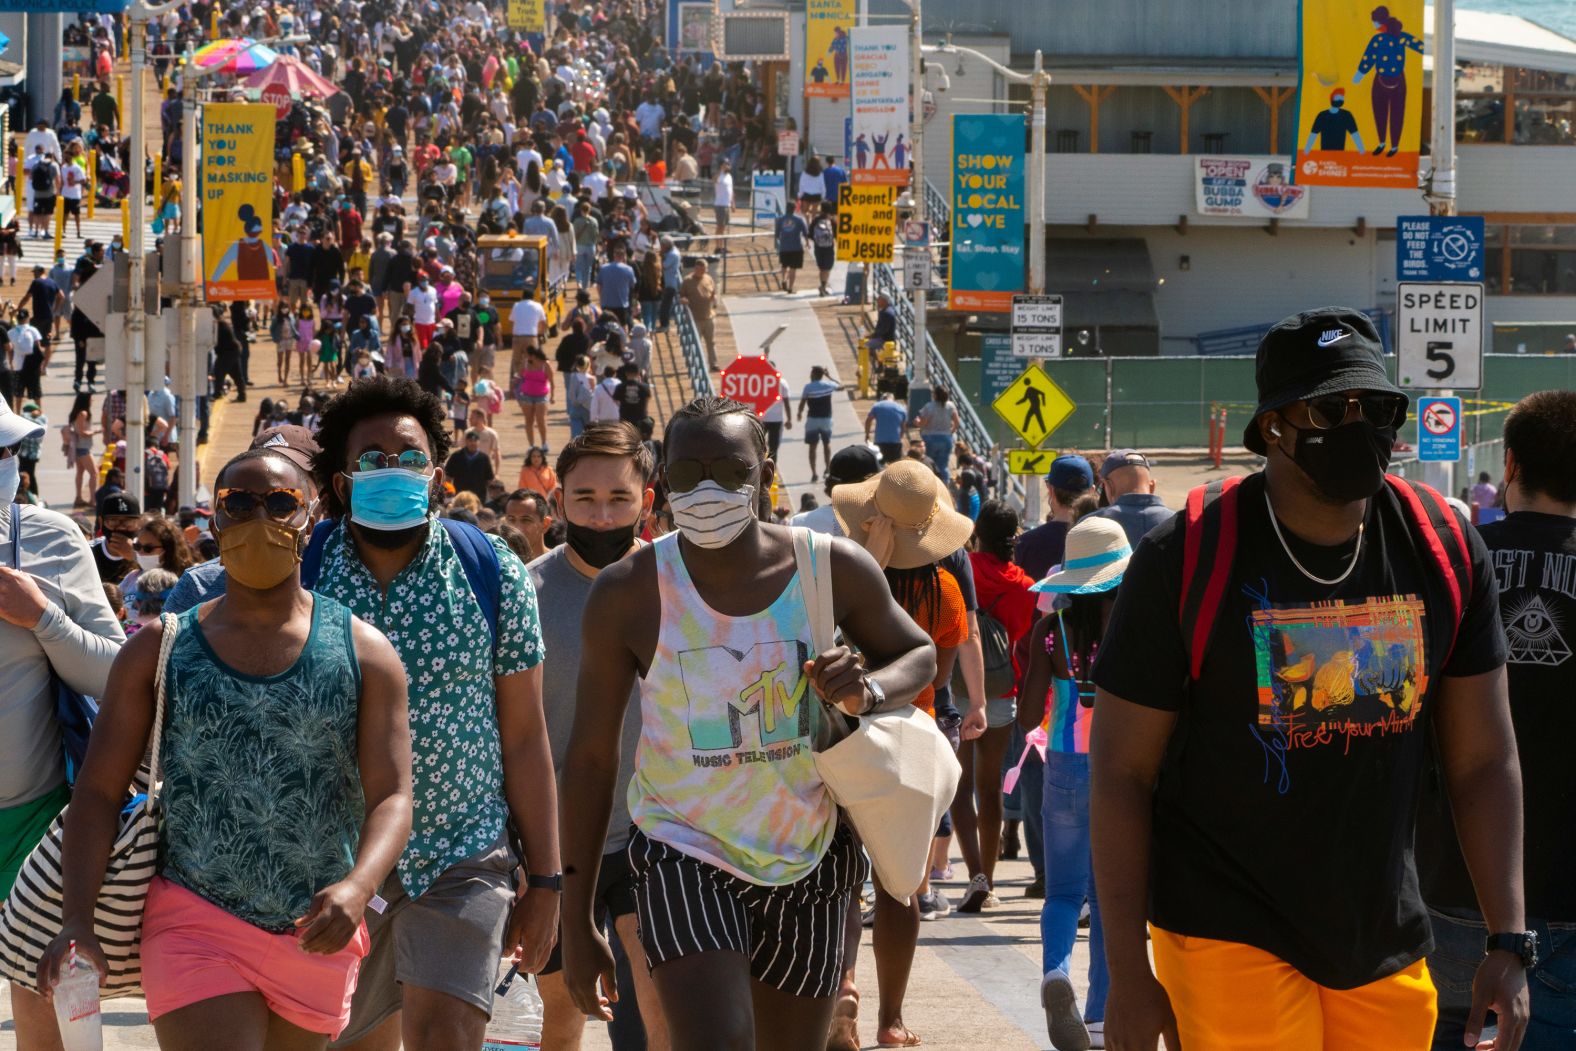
(119, 505)
(1322, 351)
(853, 464)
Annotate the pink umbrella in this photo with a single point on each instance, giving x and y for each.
(289, 76)
(250, 59)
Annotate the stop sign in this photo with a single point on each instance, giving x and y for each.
(279, 97)
(754, 381)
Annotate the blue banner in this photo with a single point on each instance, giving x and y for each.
(987, 211)
(1439, 248)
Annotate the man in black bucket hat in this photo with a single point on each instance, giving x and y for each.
(1312, 627)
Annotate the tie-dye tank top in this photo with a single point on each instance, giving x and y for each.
(1067, 719)
(725, 772)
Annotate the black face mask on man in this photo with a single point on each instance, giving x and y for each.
(1346, 463)
(599, 548)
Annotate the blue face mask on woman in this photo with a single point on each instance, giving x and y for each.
(389, 498)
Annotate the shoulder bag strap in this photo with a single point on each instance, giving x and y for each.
(821, 554)
(170, 624)
(479, 560)
(1209, 540)
(16, 536)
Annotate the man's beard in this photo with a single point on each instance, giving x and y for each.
(389, 539)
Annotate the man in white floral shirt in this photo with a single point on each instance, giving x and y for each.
(480, 750)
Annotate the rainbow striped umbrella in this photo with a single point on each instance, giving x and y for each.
(249, 60)
(218, 52)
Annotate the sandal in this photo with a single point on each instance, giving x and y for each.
(911, 1040)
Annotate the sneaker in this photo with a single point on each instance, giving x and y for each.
(943, 905)
(1083, 916)
(1035, 890)
(928, 908)
(991, 901)
(1062, 1021)
(941, 875)
(1096, 1034)
(974, 897)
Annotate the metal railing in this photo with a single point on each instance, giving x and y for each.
(694, 352)
(939, 213)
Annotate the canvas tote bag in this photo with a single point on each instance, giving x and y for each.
(32, 917)
(894, 773)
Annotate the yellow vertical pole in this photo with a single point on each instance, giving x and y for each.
(76, 87)
(213, 23)
(92, 181)
(17, 179)
(297, 173)
(120, 96)
(125, 221)
(60, 222)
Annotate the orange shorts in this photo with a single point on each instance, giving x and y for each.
(1233, 997)
(192, 950)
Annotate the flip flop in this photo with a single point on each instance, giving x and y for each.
(912, 1041)
(844, 1035)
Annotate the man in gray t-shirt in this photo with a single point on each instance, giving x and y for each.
(602, 500)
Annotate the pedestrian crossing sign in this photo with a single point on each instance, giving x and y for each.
(1033, 405)
(1030, 461)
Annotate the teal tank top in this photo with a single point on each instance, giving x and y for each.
(261, 802)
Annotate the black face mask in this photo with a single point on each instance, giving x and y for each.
(1347, 463)
(599, 548)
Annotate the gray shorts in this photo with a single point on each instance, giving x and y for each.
(448, 940)
(1000, 711)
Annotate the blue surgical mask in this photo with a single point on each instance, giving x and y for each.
(390, 498)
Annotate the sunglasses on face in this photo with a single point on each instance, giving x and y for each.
(241, 504)
(147, 549)
(1379, 409)
(377, 460)
(730, 472)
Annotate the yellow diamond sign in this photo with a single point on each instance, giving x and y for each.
(1029, 461)
(1034, 406)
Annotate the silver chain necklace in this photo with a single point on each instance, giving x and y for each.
(1356, 554)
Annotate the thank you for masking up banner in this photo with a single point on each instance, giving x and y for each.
(827, 25)
(987, 211)
(237, 201)
(880, 105)
(1361, 93)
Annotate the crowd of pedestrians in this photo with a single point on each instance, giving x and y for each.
(574, 721)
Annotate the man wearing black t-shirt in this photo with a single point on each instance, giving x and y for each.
(1533, 552)
(1257, 769)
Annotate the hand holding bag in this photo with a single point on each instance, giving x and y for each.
(894, 774)
(33, 914)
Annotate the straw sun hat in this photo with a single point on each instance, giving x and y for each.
(1097, 556)
(903, 516)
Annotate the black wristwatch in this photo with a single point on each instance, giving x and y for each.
(554, 883)
(1523, 944)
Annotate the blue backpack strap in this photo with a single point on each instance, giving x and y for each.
(312, 557)
(16, 536)
(482, 569)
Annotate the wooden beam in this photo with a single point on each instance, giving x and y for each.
(1094, 221)
(1184, 98)
(1273, 229)
(1511, 74)
(1527, 218)
(1504, 263)
(1181, 226)
(1093, 96)
(1362, 226)
(1274, 98)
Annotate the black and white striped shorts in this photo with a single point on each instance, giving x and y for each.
(793, 934)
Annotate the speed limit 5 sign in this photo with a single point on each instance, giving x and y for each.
(1439, 335)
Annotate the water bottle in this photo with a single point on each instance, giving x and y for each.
(76, 999)
(517, 1013)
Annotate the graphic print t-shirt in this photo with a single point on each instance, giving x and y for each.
(1287, 801)
(1534, 558)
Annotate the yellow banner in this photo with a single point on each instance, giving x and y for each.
(866, 223)
(827, 23)
(1361, 93)
(237, 190)
(528, 16)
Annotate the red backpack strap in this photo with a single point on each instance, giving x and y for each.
(1209, 525)
(1439, 533)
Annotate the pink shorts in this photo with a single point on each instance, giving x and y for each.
(192, 950)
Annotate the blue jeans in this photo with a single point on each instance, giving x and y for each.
(649, 311)
(1069, 878)
(939, 448)
(1031, 796)
(1458, 949)
(585, 264)
(579, 420)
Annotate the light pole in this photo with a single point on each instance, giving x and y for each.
(916, 138)
(191, 374)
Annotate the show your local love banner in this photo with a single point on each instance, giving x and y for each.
(1361, 93)
(987, 212)
(827, 25)
(237, 201)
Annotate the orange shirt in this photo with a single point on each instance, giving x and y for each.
(543, 479)
(947, 625)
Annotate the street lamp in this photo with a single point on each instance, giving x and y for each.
(189, 374)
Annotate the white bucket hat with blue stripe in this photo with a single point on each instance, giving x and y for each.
(1097, 556)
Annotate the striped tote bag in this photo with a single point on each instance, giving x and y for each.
(32, 916)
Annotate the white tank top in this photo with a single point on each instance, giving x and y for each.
(724, 772)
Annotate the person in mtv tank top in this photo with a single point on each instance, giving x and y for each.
(731, 821)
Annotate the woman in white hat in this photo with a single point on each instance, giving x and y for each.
(1061, 653)
(904, 518)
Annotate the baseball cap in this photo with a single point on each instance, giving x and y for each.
(853, 464)
(1119, 458)
(1070, 473)
(119, 505)
(293, 441)
(1316, 352)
